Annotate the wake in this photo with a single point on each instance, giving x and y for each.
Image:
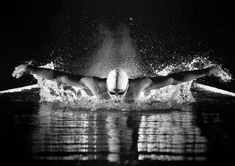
(172, 96)
(169, 96)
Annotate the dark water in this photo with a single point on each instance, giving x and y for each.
(37, 133)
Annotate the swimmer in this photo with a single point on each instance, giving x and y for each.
(117, 83)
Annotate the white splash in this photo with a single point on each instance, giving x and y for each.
(20, 89)
(170, 95)
(215, 90)
(51, 91)
(195, 64)
(167, 97)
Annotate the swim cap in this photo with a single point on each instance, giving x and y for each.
(117, 81)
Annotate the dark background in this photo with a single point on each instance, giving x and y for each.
(35, 30)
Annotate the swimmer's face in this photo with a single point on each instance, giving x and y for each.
(117, 82)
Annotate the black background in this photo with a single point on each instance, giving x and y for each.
(29, 28)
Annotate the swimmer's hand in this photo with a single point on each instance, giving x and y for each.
(214, 71)
(19, 71)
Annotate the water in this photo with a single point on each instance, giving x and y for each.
(60, 125)
(34, 132)
(170, 95)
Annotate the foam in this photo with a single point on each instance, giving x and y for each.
(163, 98)
(169, 96)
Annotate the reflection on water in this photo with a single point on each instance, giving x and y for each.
(50, 132)
(67, 134)
(170, 137)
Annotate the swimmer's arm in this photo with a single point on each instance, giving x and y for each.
(49, 74)
(177, 78)
(145, 84)
(185, 76)
(92, 85)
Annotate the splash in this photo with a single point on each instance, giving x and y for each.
(117, 50)
(196, 64)
(167, 97)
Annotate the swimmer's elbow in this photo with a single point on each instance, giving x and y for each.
(48, 74)
(65, 80)
(61, 79)
(173, 81)
(70, 81)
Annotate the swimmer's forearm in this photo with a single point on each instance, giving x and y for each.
(190, 75)
(53, 75)
(58, 76)
(43, 72)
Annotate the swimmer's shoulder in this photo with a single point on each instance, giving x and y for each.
(139, 80)
(94, 80)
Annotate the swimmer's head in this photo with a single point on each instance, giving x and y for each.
(117, 82)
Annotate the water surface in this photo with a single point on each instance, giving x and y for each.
(42, 132)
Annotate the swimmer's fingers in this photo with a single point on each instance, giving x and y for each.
(19, 71)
